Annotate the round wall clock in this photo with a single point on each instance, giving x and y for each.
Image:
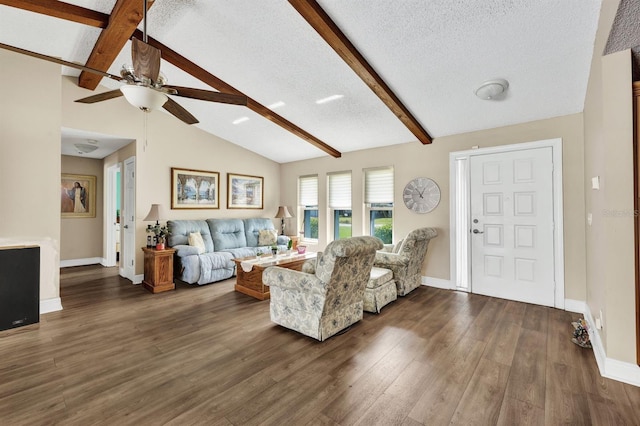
(421, 195)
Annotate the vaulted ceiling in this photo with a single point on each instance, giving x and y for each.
(398, 71)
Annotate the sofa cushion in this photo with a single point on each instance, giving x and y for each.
(227, 233)
(179, 231)
(267, 237)
(242, 252)
(195, 240)
(252, 229)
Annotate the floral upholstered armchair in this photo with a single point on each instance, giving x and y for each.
(322, 303)
(405, 259)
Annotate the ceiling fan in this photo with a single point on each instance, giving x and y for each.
(146, 88)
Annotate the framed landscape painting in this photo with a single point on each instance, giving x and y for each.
(194, 189)
(244, 192)
(77, 196)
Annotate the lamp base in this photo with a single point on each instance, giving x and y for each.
(281, 226)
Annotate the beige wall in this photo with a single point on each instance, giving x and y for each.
(413, 160)
(608, 154)
(169, 143)
(81, 238)
(30, 161)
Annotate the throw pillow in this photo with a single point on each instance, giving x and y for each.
(195, 239)
(267, 237)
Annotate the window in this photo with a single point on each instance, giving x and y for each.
(308, 202)
(340, 204)
(378, 198)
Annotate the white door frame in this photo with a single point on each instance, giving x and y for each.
(110, 215)
(460, 213)
(128, 269)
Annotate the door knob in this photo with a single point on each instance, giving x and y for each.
(475, 231)
(126, 227)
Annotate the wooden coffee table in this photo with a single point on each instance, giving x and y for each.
(250, 283)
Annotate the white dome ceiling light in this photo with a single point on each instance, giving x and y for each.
(492, 89)
(86, 148)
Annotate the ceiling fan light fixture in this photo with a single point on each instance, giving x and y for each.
(143, 97)
(492, 89)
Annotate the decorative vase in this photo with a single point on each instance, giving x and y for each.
(160, 246)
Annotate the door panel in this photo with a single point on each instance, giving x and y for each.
(512, 250)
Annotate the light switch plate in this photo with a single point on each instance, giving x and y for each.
(595, 182)
(589, 219)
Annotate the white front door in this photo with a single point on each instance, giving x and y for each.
(512, 246)
(128, 218)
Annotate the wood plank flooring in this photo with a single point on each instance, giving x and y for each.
(118, 355)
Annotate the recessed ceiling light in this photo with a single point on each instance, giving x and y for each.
(276, 105)
(329, 99)
(240, 120)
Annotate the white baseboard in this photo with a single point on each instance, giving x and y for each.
(50, 305)
(137, 279)
(81, 262)
(437, 283)
(610, 368)
(577, 306)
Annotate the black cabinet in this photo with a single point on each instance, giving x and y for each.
(19, 286)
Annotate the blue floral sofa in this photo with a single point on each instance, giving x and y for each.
(222, 240)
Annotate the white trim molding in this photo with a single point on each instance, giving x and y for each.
(81, 262)
(577, 306)
(50, 305)
(137, 279)
(614, 369)
(437, 283)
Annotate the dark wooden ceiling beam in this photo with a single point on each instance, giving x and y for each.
(124, 19)
(205, 76)
(329, 31)
(62, 10)
(89, 17)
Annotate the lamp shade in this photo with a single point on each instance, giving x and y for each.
(155, 214)
(145, 98)
(283, 212)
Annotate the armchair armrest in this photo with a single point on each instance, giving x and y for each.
(390, 259)
(288, 279)
(387, 248)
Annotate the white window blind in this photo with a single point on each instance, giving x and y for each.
(308, 195)
(340, 191)
(378, 187)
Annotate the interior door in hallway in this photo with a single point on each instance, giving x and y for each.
(128, 218)
(512, 247)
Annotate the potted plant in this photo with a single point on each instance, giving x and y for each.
(160, 232)
(274, 249)
(289, 245)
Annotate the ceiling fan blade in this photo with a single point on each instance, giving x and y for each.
(178, 111)
(208, 95)
(146, 59)
(100, 97)
(59, 61)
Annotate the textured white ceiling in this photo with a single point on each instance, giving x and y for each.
(432, 54)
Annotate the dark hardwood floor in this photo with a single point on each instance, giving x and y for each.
(207, 355)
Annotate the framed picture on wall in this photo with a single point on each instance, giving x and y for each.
(194, 189)
(244, 192)
(77, 196)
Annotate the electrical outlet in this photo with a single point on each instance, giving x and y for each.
(601, 320)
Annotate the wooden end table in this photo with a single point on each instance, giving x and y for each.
(250, 283)
(158, 269)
